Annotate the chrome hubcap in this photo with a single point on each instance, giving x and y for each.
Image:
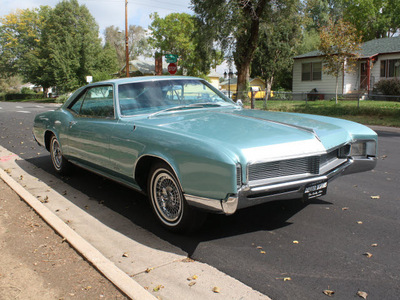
(167, 197)
(56, 154)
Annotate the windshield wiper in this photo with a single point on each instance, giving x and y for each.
(189, 106)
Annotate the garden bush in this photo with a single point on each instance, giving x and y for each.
(388, 86)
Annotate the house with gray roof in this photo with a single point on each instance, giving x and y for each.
(378, 59)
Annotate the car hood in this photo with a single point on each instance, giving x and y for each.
(257, 135)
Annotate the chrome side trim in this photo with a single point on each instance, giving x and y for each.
(213, 205)
(361, 165)
(227, 207)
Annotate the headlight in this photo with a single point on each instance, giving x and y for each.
(363, 148)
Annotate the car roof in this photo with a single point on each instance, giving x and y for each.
(141, 79)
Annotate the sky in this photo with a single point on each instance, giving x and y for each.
(110, 12)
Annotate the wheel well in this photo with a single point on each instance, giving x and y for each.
(47, 139)
(142, 170)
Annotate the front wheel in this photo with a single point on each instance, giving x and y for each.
(60, 164)
(168, 202)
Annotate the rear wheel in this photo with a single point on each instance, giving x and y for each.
(168, 202)
(60, 164)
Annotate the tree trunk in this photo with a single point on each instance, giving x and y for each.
(243, 75)
(45, 92)
(246, 45)
(337, 87)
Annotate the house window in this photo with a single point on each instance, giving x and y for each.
(390, 68)
(311, 71)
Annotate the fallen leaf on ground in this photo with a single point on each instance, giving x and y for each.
(148, 270)
(216, 289)
(345, 208)
(375, 197)
(192, 283)
(126, 254)
(359, 222)
(187, 259)
(263, 252)
(374, 245)
(295, 242)
(328, 292)
(194, 277)
(259, 247)
(157, 288)
(367, 254)
(362, 294)
(287, 279)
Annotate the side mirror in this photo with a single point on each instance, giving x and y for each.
(239, 102)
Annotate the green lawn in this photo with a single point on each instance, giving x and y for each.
(385, 113)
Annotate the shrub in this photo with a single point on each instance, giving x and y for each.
(388, 86)
(19, 96)
(26, 90)
(62, 98)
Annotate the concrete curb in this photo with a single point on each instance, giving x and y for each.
(119, 278)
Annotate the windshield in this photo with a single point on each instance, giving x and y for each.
(153, 96)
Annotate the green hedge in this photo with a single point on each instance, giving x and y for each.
(20, 96)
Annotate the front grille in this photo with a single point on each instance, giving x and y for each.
(327, 158)
(238, 175)
(297, 166)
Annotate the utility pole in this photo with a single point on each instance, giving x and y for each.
(126, 39)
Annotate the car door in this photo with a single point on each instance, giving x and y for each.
(89, 131)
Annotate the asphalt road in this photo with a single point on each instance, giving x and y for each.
(286, 250)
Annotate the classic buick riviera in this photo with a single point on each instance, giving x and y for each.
(192, 150)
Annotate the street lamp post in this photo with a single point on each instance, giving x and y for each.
(126, 39)
(229, 74)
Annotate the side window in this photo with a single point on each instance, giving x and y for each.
(95, 102)
(76, 106)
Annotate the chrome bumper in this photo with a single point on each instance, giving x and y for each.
(253, 195)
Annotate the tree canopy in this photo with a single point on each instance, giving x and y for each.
(138, 43)
(237, 22)
(273, 58)
(174, 34)
(54, 47)
(339, 45)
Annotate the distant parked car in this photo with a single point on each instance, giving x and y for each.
(192, 150)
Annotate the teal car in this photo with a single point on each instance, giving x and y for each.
(193, 151)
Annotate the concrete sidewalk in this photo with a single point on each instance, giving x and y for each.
(140, 264)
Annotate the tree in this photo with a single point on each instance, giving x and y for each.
(72, 38)
(54, 47)
(20, 35)
(340, 42)
(278, 40)
(374, 18)
(138, 42)
(174, 35)
(106, 64)
(237, 20)
(11, 84)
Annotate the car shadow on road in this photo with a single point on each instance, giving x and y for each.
(134, 206)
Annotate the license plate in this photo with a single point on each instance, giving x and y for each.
(315, 189)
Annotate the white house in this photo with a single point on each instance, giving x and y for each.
(378, 59)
